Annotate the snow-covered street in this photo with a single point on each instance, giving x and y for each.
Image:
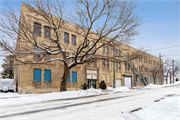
(161, 103)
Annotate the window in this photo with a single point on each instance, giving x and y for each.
(151, 79)
(103, 49)
(103, 63)
(94, 63)
(119, 65)
(36, 49)
(37, 74)
(133, 67)
(94, 48)
(73, 39)
(128, 66)
(73, 55)
(87, 43)
(158, 79)
(68, 80)
(139, 69)
(115, 52)
(144, 60)
(107, 50)
(118, 53)
(47, 31)
(74, 76)
(47, 75)
(66, 37)
(125, 66)
(107, 63)
(67, 55)
(48, 56)
(115, 65)
(37, 29)
(125, 57)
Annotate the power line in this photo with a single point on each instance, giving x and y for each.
(165, 48)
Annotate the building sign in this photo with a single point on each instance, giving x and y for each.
(91, 71)
(91, 76)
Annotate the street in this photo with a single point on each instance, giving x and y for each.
(118, 105)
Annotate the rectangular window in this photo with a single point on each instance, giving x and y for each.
(94, 48)
(118, 52)
(37, 74)
(36, 49)
(158, 79)
(67, 55)
(48, 56)
(107, 50)
(73, 55)
(119, 66)
(107, 63)
(125, 57)
(47, 75)
(68, 80)
(103, 63)
(115, 65)
(66, 37)
(128, 66)
(74, 76)
(125, 66)
(37, 29)
(94, 63)
(115, 52)
(47, 31)
(73, 39)
(103, 49)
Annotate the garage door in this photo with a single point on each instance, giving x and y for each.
(118, 82)
(127, 82)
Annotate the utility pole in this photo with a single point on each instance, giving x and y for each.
(173, 69)
(170, 77)
(114, 68)
(160, 67)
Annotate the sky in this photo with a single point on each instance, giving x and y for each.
(160, 28)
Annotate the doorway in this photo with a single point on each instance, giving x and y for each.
(92, 83)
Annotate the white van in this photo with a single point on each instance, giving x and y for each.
(6, 85)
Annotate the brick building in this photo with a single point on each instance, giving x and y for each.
(42, 78)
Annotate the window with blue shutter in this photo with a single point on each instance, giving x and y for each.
(37, 74)
(74, 76)
(147, 79)
(151, 79)
(47, 75)
(68, 80)
(140, 79)
(158, 79)
(162, 80)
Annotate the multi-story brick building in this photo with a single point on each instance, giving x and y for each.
(41, 78)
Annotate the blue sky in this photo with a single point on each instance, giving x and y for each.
(160, 28)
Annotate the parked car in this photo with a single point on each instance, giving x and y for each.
(6, 85)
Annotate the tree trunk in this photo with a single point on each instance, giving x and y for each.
(64, 78)
(154, 80)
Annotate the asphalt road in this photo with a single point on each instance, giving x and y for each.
(109, 104)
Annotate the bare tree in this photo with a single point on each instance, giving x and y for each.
(112, 21)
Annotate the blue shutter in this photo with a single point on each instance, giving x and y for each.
(68, 80)
(147, 79)
(37, 74)
(162, 80)
(140, 79)
(74, 76)
(47, 75)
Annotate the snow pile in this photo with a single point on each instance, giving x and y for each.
(123, 88)
(164, 109)
(153, 86)
(15, 98)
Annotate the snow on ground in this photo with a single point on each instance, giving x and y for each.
(167, 109)
(159, 86)
(123, 88)
(7, 99)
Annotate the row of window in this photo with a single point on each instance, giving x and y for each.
(146, 78)
(74, 77)
(47, 75)
(47, 33)
(37, 75)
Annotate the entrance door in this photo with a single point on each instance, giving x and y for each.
(91, 83)
(118, 82)
(127, 82)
